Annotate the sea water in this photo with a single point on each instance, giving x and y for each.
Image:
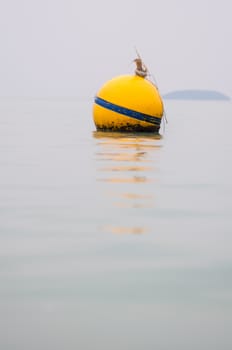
(111, 240)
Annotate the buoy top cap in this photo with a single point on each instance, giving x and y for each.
(141, 70)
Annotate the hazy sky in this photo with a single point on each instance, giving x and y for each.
(71, 47)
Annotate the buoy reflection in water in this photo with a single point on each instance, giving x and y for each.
(128, 166)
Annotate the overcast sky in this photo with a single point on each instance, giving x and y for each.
(71, 47)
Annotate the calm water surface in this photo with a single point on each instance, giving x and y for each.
(115, 241)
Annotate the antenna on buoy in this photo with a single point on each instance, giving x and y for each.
(137, 53)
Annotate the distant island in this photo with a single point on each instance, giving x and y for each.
(196, 95)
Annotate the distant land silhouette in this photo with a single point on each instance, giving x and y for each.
(196, 95)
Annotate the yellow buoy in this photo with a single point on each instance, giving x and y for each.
(128, 103)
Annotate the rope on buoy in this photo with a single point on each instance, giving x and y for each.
(142, 71)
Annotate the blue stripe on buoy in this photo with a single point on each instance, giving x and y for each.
(128, 112)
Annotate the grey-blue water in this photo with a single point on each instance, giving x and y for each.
(115, 241)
